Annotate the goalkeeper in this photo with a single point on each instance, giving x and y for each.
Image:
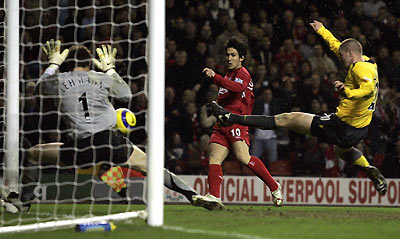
(82, 97)
(349, 124)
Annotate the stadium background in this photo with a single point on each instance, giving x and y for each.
(285, 55)
(124, 26)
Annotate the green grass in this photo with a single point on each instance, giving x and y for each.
(249, 222)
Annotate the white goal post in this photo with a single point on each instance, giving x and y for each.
(11, 173)
(156, 108)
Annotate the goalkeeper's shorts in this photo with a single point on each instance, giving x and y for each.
(330, 129)
(106, 147)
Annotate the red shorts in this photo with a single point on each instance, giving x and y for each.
(226, 136)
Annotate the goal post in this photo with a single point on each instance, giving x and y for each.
(156, 108)
(11, 172)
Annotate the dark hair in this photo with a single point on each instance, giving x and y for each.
(79, 56)
(237, 44)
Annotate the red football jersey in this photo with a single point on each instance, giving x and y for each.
(236, 91)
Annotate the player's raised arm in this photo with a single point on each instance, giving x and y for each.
(118, 87)
(107, 56)
(329, 38)
(52, 50)
(236, 85)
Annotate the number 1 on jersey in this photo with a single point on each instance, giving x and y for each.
(83, 99)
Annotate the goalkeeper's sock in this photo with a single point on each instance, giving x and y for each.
(30, 178)
(258, 121)
(261, 171)
(114, 178)
(215, 177)
(176, 184)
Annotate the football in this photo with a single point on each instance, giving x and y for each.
(126, 120)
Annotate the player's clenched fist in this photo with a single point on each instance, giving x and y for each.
(209, 73)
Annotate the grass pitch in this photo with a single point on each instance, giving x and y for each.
(247, 222)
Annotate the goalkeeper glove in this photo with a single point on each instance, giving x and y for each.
(107, 59)
(52, 50)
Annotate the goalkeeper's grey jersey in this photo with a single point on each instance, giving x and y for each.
(82, 98)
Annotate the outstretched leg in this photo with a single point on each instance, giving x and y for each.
(176, 184)
(356, 158)
(30, 174)
(137, 161)
(296, 121)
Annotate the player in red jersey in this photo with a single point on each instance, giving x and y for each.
(236, 95)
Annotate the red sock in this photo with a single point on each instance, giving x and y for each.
(261, 171)
(215, 179)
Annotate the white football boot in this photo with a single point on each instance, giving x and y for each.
(208, 201)
(277, 198)
(12, 204)
(8, 207)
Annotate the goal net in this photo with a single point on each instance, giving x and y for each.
(65, 195)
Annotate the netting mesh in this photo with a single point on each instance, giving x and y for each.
(121, 23)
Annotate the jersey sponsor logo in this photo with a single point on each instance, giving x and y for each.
(238, 80)
(222, 91)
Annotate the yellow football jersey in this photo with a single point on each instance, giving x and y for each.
(361, 87)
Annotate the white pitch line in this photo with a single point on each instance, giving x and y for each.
(214, 233)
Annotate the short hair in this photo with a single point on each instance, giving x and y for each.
(79, 56)
(351, 44)
(237, 44)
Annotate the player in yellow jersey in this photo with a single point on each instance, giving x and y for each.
(345, 128)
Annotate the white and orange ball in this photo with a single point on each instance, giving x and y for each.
(126, 120)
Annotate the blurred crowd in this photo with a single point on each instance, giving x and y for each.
(291, 67)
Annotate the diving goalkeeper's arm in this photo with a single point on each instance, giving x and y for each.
(107, 59)
(52, 50)
(106, 63)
